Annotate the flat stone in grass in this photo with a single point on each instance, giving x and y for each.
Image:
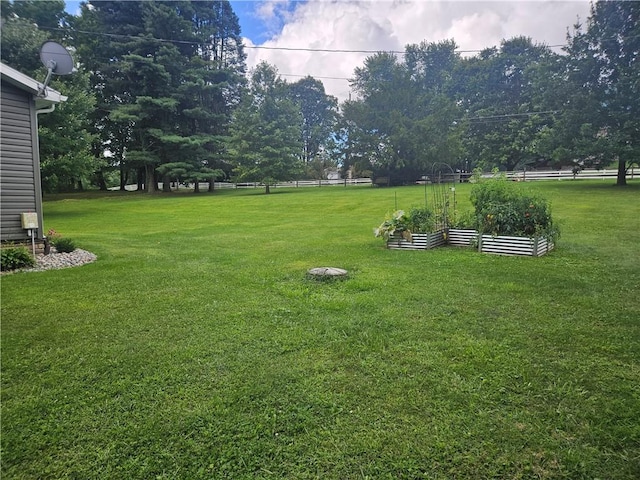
(327, 272)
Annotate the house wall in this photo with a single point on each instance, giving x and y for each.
(20, 189)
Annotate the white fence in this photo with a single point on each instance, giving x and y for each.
(343, 182)
(592, 174)
(516, 176)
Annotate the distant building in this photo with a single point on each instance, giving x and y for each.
(20, 187)
(332, 174)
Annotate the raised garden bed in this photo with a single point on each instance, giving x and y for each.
(462, 237)
(504, 245)
(419, 241)
(498, 245)
(502, 212)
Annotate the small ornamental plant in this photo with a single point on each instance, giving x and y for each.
(61, 244)
(418, 220)
(13, 258)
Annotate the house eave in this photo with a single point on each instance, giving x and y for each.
(30, 85)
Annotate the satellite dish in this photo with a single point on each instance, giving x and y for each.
(58, 61)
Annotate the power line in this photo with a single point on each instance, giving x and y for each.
(497, 118)
(314, 76)
(258, 47)
(525, 114)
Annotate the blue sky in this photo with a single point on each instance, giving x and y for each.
(252, 26)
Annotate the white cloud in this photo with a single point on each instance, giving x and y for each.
(390, 25)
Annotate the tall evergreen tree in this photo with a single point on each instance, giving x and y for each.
(168, 75)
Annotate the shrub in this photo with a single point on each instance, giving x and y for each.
(16, 257)
(502, 208)
(491, 191)
(64, 245)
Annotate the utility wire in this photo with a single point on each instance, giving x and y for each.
(255, 47)
(314, 76)
(507, 115)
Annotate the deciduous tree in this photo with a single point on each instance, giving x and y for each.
(604, 67)
(266, 131)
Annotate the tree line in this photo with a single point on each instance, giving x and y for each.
(162, 95)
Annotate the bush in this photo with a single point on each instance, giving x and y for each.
(502, 208)
(16, 257)
(63, 245)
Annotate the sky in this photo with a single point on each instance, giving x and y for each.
(389, 25)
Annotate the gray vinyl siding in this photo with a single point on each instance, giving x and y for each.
(19, 162)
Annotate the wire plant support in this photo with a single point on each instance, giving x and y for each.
(442, 178)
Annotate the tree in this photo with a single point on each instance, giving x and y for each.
(319, 112)
(403, 121)
(498, 92)
(266, 131)
(604, 66)
(47, 15)
(66, 158)
(210, 89)
(168, 76)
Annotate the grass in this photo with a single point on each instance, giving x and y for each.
(195, 347)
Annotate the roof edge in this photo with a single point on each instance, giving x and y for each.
(31, 85)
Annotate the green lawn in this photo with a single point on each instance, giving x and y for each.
(195, 347)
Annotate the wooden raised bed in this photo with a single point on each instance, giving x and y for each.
(420, 241)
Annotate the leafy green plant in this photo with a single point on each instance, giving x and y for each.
(503, 208)
(418, 220)
(421, 220)
(13, 258)
(464, 221)
(62, 244)
(398, 222)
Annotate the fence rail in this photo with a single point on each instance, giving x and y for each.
(342, 182)
(592, 174)
(633, 173)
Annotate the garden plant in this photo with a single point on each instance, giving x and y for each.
(13, 258)
(503, 208)
(418, 220)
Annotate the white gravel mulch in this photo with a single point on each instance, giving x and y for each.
(57, 260)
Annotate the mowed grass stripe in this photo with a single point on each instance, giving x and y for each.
(195, 347)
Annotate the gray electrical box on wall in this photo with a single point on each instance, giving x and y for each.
(29, 220)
